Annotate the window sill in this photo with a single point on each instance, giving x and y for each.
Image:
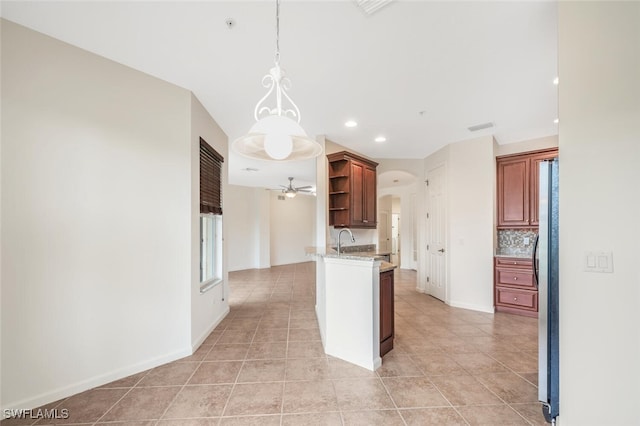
(208, 285)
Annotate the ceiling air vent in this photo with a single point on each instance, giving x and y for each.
(281, 197)
(369, 7)
(480, 127)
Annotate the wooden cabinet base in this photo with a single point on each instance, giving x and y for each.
(514, 287)
(516, 311)
(386, 346)
(386, 312)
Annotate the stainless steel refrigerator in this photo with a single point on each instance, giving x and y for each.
(546, 271)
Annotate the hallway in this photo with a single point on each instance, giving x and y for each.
(264, 365)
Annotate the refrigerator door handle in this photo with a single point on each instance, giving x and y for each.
(534, 260)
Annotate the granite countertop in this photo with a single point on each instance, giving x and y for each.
(373, 253)
(363, 250)
(361, 255)
(386, 266)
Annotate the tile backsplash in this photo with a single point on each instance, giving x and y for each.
(511, 242)
(356, 249)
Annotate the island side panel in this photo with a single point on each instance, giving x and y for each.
(353, 311)
(321, 302)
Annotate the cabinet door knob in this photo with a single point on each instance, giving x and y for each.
(515, 278)
(515, 263)
(515, 299)
(365, 221)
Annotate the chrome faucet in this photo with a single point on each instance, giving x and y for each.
(353, 240)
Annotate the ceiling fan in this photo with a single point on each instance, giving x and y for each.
(291, 191)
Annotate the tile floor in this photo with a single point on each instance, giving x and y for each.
(264, 365)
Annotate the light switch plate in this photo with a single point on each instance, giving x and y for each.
(598, 261)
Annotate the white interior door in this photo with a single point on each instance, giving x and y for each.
(395, 233)
(384, 223)
(414, 233)
(384, 234)
(436, 234)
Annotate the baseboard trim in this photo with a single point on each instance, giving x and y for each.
(67, 391)
(472, 307)
(102, 379)
(195, 345)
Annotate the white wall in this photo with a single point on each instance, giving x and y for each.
(96, 220)
(395, 202)
(528, 145)
(362, 237)
(599, 105)
(209, 308)
(248, 236)
(292, 227)
(470, 176)
(322, 197)
(471, 203)
(408, 194)
(402, 203)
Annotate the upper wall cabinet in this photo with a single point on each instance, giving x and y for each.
(352, 191)
(518, 188)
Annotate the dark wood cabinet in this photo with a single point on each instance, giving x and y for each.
(386, 312)
(515, 290)
(517, 177)
(352, 191)
(513, 192)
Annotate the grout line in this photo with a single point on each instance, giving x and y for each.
(233, 387)
(187, 381)
(116, 403)
(285, 281)
(391, 397)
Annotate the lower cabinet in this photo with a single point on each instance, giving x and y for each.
(515, 289)
(386, 312)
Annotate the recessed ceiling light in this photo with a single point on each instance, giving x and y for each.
(556, 121)
(351, 123)
(556, 81)
(380, 139)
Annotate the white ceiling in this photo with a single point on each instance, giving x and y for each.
(417, 72)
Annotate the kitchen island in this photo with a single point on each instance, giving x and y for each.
(355, 314)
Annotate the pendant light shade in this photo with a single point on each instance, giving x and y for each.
(276, 137)
(277, 134)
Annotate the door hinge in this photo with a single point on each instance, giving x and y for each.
(427, 246)
(427, 279)
(427, 215)
(427, 182)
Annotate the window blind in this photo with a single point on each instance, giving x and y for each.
(210, 179)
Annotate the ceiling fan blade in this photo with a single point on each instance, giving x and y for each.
(285, 187)
(305, 190)
(304, 187)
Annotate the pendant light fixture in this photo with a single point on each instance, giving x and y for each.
(277, 134)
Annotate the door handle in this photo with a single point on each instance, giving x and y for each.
(534, 260)
(441, 250)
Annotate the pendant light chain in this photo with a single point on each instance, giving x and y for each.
(277, 134)
(277, 32)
